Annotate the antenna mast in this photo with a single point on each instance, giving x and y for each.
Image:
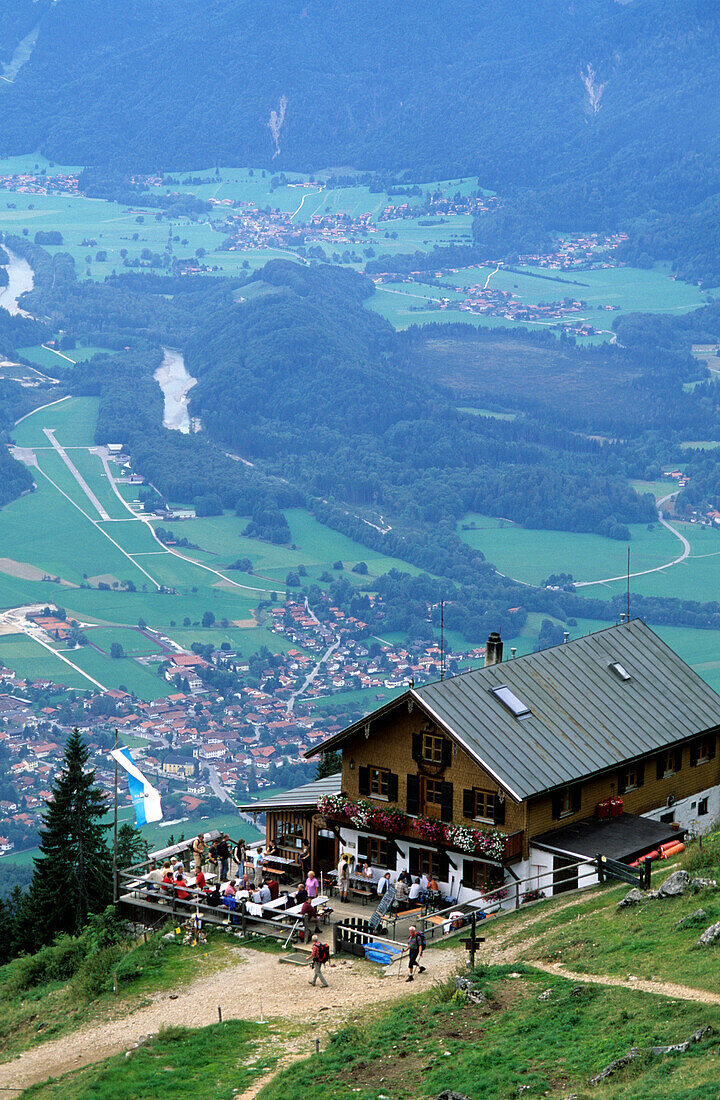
(442, 639)
(628, 586)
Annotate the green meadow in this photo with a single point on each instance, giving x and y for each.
(531, 556)
(58, 531)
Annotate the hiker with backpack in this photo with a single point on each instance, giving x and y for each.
(416, 946)
(319, 956)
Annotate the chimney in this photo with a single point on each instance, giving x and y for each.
(566, 635)
(493, 649)
(513, 651)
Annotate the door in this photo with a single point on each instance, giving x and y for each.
(326, 853)
(565, 874)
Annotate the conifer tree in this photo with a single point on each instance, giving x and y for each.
(73, 874)
(328, 764)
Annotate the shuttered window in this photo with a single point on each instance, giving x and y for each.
(702, 750)
(669, 763)
(631, 777)
(378, 783)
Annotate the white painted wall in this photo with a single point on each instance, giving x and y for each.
(686, 811)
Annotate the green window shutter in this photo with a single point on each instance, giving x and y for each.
(468, 803)
(413, 794)
(576, 798)
(556, 806)
(499, 815)
(393, 787)
(417, 746)
(447, 751)
(640, 774)
(364, 780)
(446, 810)
(660, 763)
(713, 739)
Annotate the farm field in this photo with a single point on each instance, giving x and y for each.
(114, 226)
(531, 556)
(85, 551)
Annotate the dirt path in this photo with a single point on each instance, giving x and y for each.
(258, 987)
(662, 989)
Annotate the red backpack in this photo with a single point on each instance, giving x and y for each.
(323, 953)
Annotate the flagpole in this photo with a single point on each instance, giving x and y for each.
(115, 890)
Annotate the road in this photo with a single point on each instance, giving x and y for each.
(658, 568)
(101, 451)
(310, 677)
(302, 200)
(487, 281)
(217, 788)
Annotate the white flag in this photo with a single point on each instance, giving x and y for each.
(146, 798)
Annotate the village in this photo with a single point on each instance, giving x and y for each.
(203, 748)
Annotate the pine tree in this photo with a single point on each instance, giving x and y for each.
(73, 874)
(131, 845)
(328, 764)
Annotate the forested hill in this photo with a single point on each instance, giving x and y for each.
(613, 109)
(323, 393)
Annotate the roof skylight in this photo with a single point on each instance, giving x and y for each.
(511, 701)
(621, 672)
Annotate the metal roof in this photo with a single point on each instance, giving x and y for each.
(583, 717)
(300, 798)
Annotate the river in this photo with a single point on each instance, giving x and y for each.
(175, 382)
(21, 279)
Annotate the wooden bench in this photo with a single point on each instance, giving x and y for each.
(361, 892)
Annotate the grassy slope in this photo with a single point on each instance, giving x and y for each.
(433, 1042)
(643, 940)
(212, 1062)
(54, 1008)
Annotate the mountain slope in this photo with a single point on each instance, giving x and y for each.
(614, 106)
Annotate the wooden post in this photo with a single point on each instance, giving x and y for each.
(473, 928)
(115, 819)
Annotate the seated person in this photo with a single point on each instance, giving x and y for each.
(265, 895)
(301, 894)
(432, 885)
(182, 888)
(368, 873)
(401, 894)
(228, 897)
(404, 877)
(153, 876)
(274, 887)
(167, 880)
(415, 890)
(424, 880)
(200, 880)
(309, 917)
(383, 884)
(256, 897)
(213, 898)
